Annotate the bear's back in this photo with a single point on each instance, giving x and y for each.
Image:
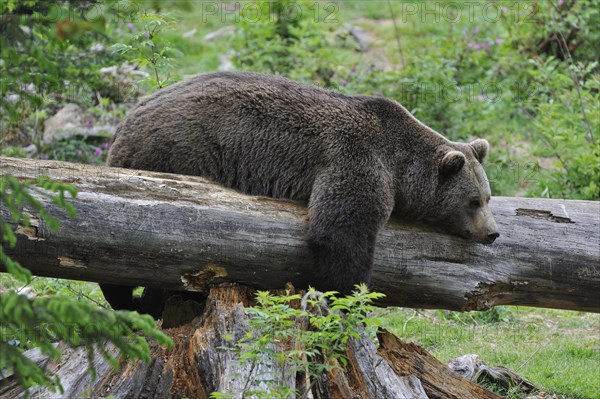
(261, 134)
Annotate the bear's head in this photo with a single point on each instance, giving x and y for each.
(463, 192)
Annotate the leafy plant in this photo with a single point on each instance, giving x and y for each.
(308, 340)
(568, 135)
(47, 57)
(53, 53)
(149, 48)
(560, 29)
(40, 322)
(76, 150)
(291, 38)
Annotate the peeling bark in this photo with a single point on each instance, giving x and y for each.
(439, 381)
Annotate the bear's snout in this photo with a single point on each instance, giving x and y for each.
(491, 237)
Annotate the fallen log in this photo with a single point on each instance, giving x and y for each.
(186, 233)
(198, 365)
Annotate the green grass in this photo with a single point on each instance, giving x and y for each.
(559, 351)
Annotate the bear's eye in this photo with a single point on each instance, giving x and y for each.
(474, 204)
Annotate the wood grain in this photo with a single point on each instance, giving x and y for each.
(182, 232)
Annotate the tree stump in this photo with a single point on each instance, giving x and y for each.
(198, 365)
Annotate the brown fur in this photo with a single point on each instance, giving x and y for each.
(353, 159)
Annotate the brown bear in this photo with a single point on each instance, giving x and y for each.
(353, 159)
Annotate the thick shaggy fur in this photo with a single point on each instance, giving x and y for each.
(353, 159)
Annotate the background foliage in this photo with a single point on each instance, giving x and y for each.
(523, 74)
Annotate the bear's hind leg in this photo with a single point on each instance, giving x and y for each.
(120, 297)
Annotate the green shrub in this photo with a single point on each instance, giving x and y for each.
(277, 335)
(291, 38)
(48, 58)
(567, 123)
(40, 322)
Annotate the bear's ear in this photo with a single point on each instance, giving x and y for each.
(481, 147)
(452, 163)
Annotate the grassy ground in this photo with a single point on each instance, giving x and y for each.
(556, 350)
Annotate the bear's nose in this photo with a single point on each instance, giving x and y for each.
(492, 237)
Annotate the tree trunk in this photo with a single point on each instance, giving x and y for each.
(198, 366)
(181, 232)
